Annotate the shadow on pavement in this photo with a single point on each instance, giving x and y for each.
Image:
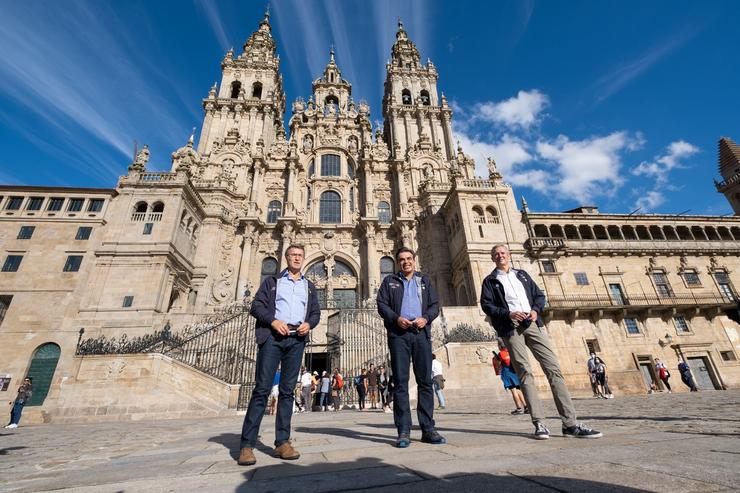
(232, 442)
(349, 433)
(372, 474)
(658, 418)
(4, 451)
(461, 430)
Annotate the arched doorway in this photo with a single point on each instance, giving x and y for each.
(340, 289)
(43, 365)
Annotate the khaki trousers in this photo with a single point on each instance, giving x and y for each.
(535, 338)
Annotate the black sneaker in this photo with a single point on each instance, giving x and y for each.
(580, 431)
(403, 441)
(518, 410)
(433, 437)
(541, 432)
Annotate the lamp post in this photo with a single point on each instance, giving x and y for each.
(79, 339)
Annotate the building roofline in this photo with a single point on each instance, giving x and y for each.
(45, 188)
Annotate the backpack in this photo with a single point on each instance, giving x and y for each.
(505, 358)
(358, 381)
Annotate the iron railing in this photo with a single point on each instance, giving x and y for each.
(639, 300)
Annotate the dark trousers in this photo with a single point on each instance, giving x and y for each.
(361, 396)
(15, 414)
(288, 352)
(404, 349)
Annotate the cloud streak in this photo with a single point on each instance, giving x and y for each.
(210, 9)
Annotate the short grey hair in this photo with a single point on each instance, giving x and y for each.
(499, 245)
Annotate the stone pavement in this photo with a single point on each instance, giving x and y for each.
(677, 442)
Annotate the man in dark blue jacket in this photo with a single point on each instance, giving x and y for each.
(514, 303)
(286, 307)
(408, 304)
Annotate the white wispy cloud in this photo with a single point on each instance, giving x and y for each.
(659, 170)
(210, 9)
(650, 201)
(523, 110)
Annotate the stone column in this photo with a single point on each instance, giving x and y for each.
(246, 260)
(290, 195)
(447, 126)
(205, 132)
(373, 260)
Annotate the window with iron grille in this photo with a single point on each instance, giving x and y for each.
(330, 165)
(4, 305)
(274, 209)
(549, 267)
(73, 263)
(384, 213)
(691, 278)
(95, 205)
(330, 208)
(387, 267)
(581, 278)
(75, 205)
(14, 203)
(681, 324)
(83, 233)
(661, 285)
(631, 325)
(12, 263)
(593, 346)
(26, 232)
(128, 301)
(35, 203)
(55, 204)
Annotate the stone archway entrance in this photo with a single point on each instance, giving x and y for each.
(41, 370)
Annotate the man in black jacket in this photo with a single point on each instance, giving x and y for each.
(514, 303)
(286, 307)
(408, 304)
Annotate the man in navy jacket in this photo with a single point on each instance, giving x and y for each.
(408, 304)
(514, 303)
(286, 307)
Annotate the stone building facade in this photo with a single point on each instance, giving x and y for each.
(164, 248)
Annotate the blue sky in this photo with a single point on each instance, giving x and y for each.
(615, 104)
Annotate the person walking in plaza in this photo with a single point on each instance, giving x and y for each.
(337, 385)
(513, 303)
(408, 303)
(286, 308)
(383, 387)
(325, 391)
(372, 386)
(686, 377)
(663, 374)
(306, 387)
(361, 387)
(438, 381)
(25, 391)
(502, 366)
(591, 365)
(600, 373)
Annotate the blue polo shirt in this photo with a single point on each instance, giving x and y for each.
(411, 302)
(291, 298)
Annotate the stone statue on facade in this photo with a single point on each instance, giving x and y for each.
(141, 159)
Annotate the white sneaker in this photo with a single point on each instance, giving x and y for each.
(12, 425)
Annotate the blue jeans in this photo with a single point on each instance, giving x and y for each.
(404, 349)
(438, 391)
(15, 414)
(288, 352)
(324, 399)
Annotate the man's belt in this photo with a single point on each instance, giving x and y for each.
(293, 330)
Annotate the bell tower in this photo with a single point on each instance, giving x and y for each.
(729, 168)
(250, 102)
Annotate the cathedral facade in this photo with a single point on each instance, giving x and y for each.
(163, 248)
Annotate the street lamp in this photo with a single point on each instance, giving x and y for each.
(667, 340)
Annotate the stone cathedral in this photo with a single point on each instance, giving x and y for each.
(162, 250)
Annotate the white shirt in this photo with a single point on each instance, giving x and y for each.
(516, 296)
(306, 379)
(436, 368)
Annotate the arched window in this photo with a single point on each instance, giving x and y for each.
(236, 88)
(541, 231)
(556, 231)
(41, 371)
(406, 96)
(571, 232)
(492, 215)
(350, 170)
(316, 273)
(330, 208)
(331, 99)
(330, 165)
(269, 268)
(274, 209)
(257, 90)
(158, 208)
(425, 97)
(141, 207)
(308, 197)
(345, 285)
(311, 169)
(384, 213)
(478, 216)
(387, 267)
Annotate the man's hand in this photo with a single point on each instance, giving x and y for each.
(280, 327)
(303, 329)
(518, 316)
(420, 322)
(404, 323)
(533, 316)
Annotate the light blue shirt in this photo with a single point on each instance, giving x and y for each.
(411, 302)
(291, 299)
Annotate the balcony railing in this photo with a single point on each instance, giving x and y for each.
(535, 243)
(598, 301)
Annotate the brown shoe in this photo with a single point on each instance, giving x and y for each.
(286, 452)
(246, 457)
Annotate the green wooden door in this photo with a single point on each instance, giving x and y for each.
(42, 368)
